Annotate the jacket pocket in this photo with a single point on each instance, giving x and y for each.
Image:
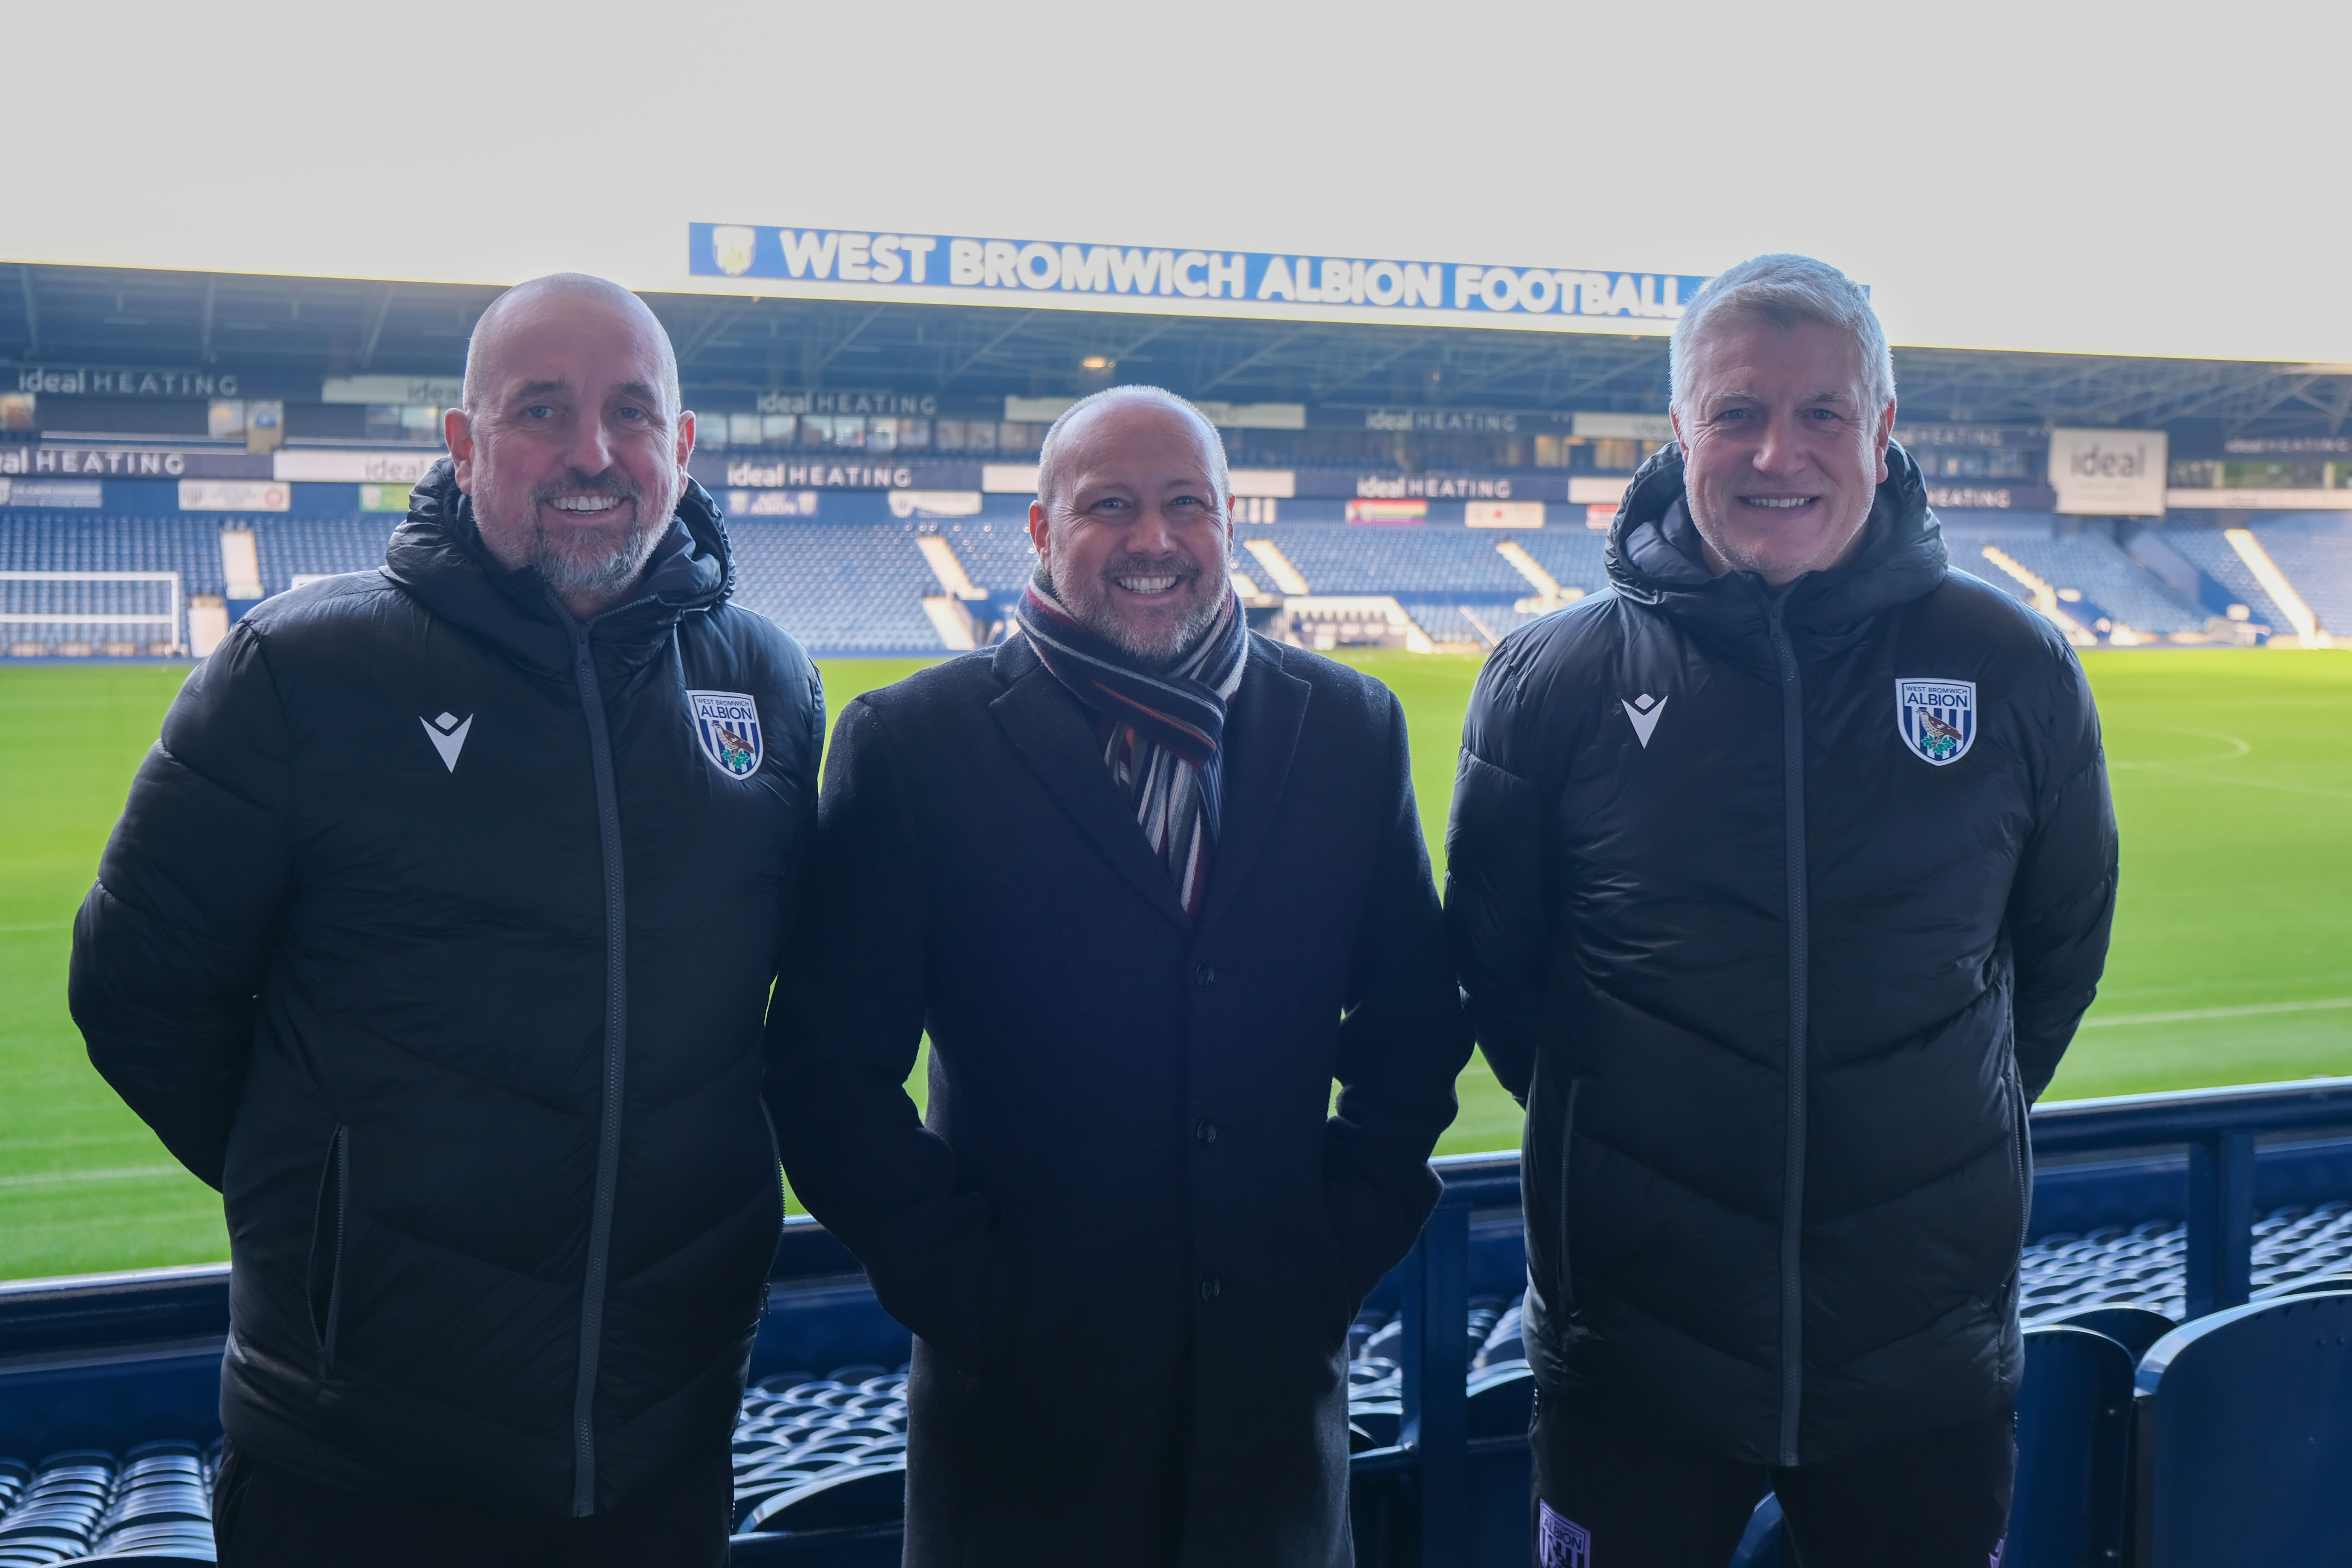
(327, 1228)
(2021, 1138)
(1548, 1154)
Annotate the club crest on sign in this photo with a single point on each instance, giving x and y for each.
(727, 725)
(732, 247)
(1936, 718)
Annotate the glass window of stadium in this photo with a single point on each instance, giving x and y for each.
(1977, 464)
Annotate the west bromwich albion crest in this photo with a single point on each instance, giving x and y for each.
(1936, 718)
(732, 247)
(727, 725)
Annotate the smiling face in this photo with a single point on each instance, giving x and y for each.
(1133, 527)
(571, 448)
(1782, 451)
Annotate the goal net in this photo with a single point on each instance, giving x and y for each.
(85, 612)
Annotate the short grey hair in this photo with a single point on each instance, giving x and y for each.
(1784, 290)
(604, 289)
(1049, 454)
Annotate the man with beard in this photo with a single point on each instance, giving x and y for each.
(1151, 884)
(439, 934)
(1779, 877)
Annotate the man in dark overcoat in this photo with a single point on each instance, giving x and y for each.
(1151, 883)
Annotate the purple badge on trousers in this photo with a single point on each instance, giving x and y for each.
(1560, 1543)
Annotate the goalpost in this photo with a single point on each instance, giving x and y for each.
(33, 602)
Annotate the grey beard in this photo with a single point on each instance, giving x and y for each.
(598, 576)
(1092, 611)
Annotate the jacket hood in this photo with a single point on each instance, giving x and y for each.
(437, 555)
(1654, 559)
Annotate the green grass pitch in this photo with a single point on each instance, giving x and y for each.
(2233, 961)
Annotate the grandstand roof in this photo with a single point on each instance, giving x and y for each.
(337, 327)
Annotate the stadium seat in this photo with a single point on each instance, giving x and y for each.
(1760, 1546)
(2315, 557)
(2134, 1328)
(2074, 1434)
(2315, 1285)
(822, 1453)
(2245, 1438)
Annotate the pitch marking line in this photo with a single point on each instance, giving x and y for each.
(2193, 1015)
(118, 1174)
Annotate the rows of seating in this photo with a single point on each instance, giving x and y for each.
(2238, 1434)
(843, 589)
(154, 1506)
(1419, 561)
(856, 587)
(2108, 583)
(39, 541)
(2211, 554)
(2319, 562)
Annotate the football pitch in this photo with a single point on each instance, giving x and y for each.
(2232, 958)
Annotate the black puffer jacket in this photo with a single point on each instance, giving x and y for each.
(438, 938)
(1776, 967)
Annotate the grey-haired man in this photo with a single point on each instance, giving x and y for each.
(1778, 879)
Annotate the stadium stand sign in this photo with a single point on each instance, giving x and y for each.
(1169, 281)
(1991, 498)
(130, 463)
(2117, 473)
(439, 390)
(114, 381)
(871, 403)
(70, 495)
(1977, 438)
(784, 473)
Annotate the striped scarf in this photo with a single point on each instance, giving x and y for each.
(1162, 735)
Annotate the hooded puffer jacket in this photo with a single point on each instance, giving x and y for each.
(438, 934)
(1775, 910)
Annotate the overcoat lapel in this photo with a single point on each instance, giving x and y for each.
(1048, 727)
(1261, 725)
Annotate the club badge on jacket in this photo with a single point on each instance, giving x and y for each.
(727, 725)
(1936, 718)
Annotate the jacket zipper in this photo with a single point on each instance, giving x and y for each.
(1792, 1172)
(608, 1142)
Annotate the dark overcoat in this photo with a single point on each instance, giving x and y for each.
(1132, 1235)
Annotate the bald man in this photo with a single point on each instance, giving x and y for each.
(438, 934)
(1151, 884)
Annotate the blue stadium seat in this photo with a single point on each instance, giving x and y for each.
(2110, 584)
(2073, 1437)
(2316, 557)
(2134, 1328)
(1760, 1545)
(2211, 554)
(2245, 1438)
(842, 589)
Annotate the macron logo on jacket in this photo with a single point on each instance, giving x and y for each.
(447, 734)
(1644, 711)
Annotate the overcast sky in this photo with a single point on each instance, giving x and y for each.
(2155, 178)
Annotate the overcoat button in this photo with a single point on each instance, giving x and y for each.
(1205, 976)
(1209, 1287)
(1206, 1132)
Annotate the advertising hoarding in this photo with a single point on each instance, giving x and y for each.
(2108, 473)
